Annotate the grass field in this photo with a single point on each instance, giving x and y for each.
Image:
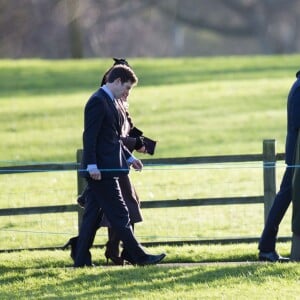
(197, 106)
(47, 275)
(193, 107)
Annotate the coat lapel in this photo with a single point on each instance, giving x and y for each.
(114, 109)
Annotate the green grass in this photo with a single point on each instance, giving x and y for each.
(197, 106)
(47, 275)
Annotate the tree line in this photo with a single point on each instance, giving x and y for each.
(141, 28)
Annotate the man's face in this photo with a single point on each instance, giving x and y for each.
(122, 89)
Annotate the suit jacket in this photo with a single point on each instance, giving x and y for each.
(127, 189)
(293, 121)
(101, 137)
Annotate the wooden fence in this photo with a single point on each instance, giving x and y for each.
(268, 159)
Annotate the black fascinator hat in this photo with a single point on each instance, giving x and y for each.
(120, 61)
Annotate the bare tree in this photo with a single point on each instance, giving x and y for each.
(77, 28)
(73, 14)
(274, 23)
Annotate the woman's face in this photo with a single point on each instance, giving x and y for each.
(125, 96)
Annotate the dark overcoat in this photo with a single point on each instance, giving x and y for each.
(128, 191)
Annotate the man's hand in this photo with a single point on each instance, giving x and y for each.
(137, 165)
(95, 174)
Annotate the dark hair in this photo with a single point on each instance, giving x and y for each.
(123, 72)
(117, 61)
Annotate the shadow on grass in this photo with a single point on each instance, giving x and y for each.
(116, 282)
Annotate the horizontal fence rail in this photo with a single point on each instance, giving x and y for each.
(268, 159)
(39, 210)
(144, 205)
(72, 166)
(201, 202)
(32, 168)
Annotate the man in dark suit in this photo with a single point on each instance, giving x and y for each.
(105, 158)
(284, 196)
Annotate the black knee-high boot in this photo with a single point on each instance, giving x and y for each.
(73, 243)
(125, 255)
(112, 250)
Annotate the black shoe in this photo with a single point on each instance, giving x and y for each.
(112, 253)
(151, 259)
(272, 257)
(81, 200)
(126, 257)
(73, 243)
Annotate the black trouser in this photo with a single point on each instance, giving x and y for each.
(105, 194)
(280, 205)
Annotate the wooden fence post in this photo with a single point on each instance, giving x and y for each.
(80, 187)
(269, 164)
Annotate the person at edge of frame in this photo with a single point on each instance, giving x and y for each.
(105, 158)
(267, 243)
(130, 196)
